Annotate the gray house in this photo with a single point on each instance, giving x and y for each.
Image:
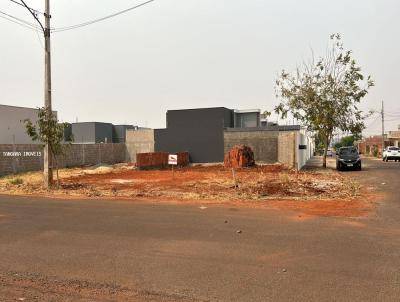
(119, 132)
(92, 132)
(12, 128)
(201, 131)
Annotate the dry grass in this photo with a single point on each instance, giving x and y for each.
(193, 183)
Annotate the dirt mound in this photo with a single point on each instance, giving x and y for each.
(239, 156)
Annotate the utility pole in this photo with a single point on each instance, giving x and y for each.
(47, 156)
(383, 128)
(48, 172)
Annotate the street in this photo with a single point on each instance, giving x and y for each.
(99, 250)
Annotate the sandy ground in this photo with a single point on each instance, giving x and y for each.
(320, 192)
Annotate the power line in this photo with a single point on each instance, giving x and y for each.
(32, 9)
(20, 21)
(34, 14)
(65, 28)
(373, 122)
(13, 21)
(393, 120)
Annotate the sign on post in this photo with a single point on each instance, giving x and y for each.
(173, 159)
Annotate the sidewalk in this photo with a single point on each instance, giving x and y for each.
(315, 163)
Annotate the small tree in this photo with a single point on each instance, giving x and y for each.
(324, 95)
(48, 130)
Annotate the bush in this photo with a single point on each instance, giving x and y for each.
(16, 181)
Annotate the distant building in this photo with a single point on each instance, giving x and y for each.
(372, 145)
(246, 118)
(97, 132)
(198, 131)
(119, 132)
(92, 132)
(266, 123)
(68, 137)
(394, 137)
(12, 128)
(208, 133)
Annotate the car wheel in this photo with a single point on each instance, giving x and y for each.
(359, 167)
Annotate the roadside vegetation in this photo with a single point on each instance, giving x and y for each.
(324, 94)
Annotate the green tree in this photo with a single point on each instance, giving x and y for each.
(48, 130)
(324, 94)
(347, 141)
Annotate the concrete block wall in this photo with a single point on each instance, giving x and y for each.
(268, 146)
(263, 143)
(139, 141)
(13, 158)
(93, 154)
(20, 160)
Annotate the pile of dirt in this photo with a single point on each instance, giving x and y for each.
(240, 156)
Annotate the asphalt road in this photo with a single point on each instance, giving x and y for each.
(91, 250)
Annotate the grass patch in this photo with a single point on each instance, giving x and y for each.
(16, 181)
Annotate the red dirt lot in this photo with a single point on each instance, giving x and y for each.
(319, 193)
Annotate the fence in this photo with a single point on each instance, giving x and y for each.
(29, 157)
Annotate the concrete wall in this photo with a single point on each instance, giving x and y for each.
(139, 141)
(269, 146)
(119, 132)
(12, 128)
(303, 155)
(263, 143)
(287, 148)
(13, 158)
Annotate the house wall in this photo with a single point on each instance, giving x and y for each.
(76, 155)
(119, 132)
(197, 131)
(103, 133)
(287, 148)
(92, 132)
(83, 133)
(303, 155)
(269, 146)
(139, 141)
(263, 143)
(246, 119)
(12, 128)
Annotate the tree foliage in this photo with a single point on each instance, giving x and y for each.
(345, 141)
(324, 94)
(48, 130)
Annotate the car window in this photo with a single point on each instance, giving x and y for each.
(393, 148)
(348, 151)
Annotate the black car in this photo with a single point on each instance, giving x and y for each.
(348, 158)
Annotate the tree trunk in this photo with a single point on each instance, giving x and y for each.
(327, 141)
(58, 178)
(56, 163)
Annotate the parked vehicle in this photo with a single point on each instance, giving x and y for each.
(348, 158)
(391, 153)
(329, 152)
